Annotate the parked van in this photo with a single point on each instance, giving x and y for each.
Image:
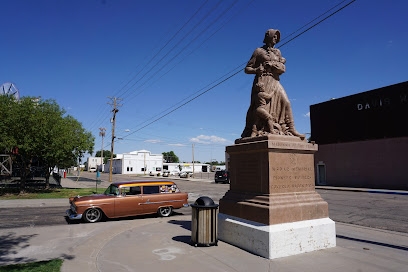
(128, 199)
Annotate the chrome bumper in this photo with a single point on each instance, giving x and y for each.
(73, 216)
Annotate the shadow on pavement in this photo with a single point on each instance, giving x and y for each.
(372, 242)
(72, 222)
(186, 225)
(11, 244)
(183, 238)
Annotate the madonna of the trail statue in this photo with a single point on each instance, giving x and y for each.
(272, 208)
(270, 111)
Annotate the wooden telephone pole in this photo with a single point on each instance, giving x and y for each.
(114, 110)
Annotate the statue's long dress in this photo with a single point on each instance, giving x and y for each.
(278, 106)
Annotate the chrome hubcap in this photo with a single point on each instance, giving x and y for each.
(165, 211)
(93, 215)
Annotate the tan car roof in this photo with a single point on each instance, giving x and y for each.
(141, 183)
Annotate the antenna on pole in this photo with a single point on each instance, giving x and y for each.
(10, 89)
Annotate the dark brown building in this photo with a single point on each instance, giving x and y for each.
(363, 139)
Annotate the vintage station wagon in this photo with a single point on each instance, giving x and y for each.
(127, 199)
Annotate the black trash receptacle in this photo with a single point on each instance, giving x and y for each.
(204, 222)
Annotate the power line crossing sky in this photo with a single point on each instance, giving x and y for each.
(80, 52)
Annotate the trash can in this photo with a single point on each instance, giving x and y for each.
(204, 222)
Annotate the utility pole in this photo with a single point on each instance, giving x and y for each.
(102, 134)
(193, 163)
(115, 110)
(144, 162)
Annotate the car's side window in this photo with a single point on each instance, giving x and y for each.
(151, 189)
(134, 190)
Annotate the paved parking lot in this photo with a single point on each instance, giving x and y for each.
(380, 211)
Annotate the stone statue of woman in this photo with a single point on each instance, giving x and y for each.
(270, 111)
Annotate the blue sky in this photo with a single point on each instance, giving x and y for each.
(81, 52)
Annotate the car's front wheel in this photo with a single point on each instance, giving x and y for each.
(92, 215)
(165, 211)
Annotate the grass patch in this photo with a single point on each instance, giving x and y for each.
(8, 193)
(44, 266)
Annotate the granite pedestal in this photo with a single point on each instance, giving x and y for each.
(272, 208)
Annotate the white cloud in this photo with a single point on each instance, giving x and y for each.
(307, 114)
(205, 139)
(176, 144)
(153, 141)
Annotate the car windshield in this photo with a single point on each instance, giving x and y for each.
(112, 190)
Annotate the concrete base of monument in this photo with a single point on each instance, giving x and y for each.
(279, 240)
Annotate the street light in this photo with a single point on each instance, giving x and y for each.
(102, 134)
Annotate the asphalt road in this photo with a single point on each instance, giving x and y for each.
(381, 211)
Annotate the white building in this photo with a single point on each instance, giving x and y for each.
(136, 162)
(218, 168)
(93, 162)
(175, 168)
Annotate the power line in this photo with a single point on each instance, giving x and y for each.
(185, 103)
(192, 99)
(327, 11)
(179, 102)
(118, 92)
(185, 36)
(324, 19)
(167, 43)
(183, 50)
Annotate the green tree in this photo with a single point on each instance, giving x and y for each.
(106, 155)
(170, 157)
(216, 163)
(35, 128)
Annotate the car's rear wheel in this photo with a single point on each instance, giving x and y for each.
(92, 215)
(165, 211)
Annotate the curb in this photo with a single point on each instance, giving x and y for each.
(373, 191)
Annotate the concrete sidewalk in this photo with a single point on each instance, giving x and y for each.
(151, 243)
(367, 190)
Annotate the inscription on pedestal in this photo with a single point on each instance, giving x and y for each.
(291, 172)
(292, 145)
(273, 183)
